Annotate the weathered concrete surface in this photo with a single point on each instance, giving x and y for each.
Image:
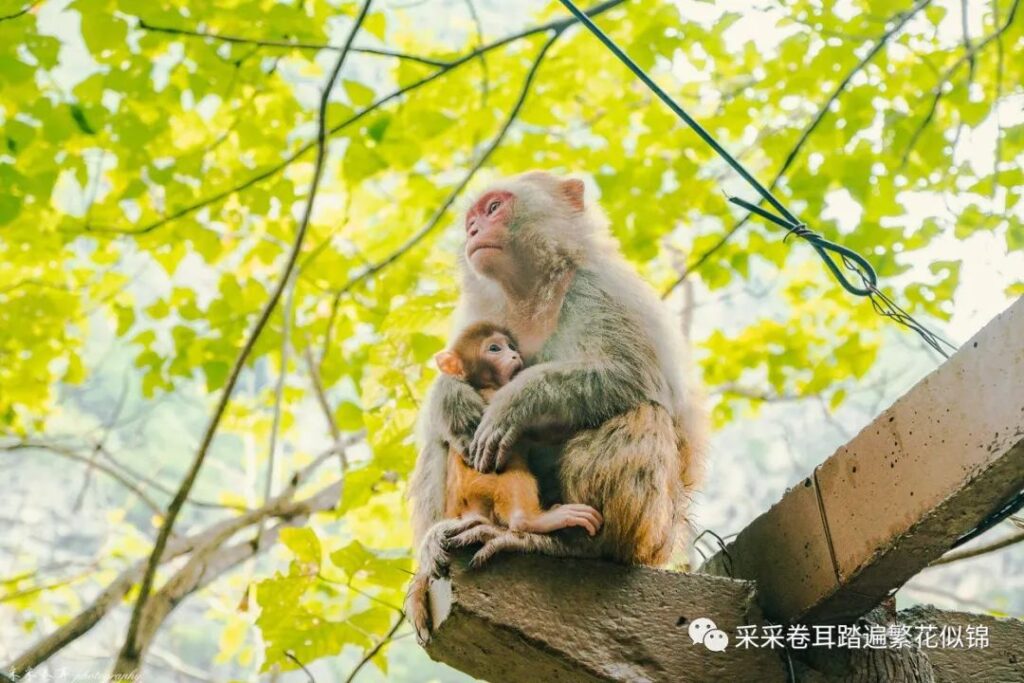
(531, 618)
(797, 561)
(1002, 660)
(923, 473)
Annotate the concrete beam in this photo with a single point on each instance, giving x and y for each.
(922, 474)
(531, 618)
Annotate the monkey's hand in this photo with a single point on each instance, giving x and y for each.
(499, 429)
(456, 410)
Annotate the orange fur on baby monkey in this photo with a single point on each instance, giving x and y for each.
(486, 357)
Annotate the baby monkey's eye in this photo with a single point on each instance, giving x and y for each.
(494, 348)
(493, 206)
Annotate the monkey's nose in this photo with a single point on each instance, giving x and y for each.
(472, 230)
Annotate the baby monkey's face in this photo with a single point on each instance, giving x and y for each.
(501, 353)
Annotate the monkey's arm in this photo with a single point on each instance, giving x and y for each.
(451, 412)
(566, 396)
(454, 410)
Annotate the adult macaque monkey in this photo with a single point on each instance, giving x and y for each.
(605, 372)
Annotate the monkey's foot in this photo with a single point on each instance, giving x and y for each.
(507, 541)
(475, 535)
(464, 523)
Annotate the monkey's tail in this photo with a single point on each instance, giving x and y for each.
(417, 607)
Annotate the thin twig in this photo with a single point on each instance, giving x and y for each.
(901, 20)
(288, 44)
(130, 656)
(947, 76)
(275, 425)
(321, 395)
(995, 106)
(24, 10)
(965, 29)
(89, 462)
(302, 666)
(163, 488)
(923, 125)
(114, 416)
(485, 79)
(32, 590)
(372, 652)
(980, 550)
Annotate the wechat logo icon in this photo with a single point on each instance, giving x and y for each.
(704, 632)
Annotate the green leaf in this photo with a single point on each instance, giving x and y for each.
(376, 24)
(358, 94)
(10, 207)
(80, 120)
(216, 373)
(361, 162)
(304, 543)
(349, 416)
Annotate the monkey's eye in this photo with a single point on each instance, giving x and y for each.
(493, 206)
(494, 348)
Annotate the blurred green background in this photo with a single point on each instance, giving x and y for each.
(155, 159)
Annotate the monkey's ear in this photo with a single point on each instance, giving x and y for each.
(572, 190)
(450, 364)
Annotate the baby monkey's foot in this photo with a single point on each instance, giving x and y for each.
(563, 517)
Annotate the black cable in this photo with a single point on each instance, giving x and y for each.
(851, 259)
(1015, 503)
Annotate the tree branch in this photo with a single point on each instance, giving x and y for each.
(321, 397)
(130, 657)
(372, 652)
(271, 171)
(212, 560)
(89, 462)
(302, 666)
(980, 550)
(967, 35)
(287, 44)
(275, 426)
(967, 58)
(999, 95)
(163, 488)
(901, 20)
(115, 415)
(110, 597)
(24, 10)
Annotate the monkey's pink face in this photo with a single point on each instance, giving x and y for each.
(487, 233)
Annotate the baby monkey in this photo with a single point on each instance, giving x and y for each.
(485, 357)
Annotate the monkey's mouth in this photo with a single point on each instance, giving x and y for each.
(515, 371)
(480, 247)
